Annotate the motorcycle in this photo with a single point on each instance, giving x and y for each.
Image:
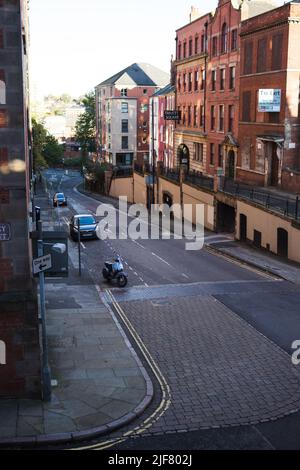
(115, 271)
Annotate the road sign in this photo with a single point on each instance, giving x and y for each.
(5, 232)
(41, 264)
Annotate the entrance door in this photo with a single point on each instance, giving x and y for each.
(274, 165)
(231, 164)
(243, 228)
(282, 242)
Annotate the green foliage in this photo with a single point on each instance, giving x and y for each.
(46, 149)
(73, 162)
(86, 124)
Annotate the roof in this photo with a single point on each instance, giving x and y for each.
(165, 91)
(141, 74)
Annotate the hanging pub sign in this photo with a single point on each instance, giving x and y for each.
(174, 115)
(269, 100)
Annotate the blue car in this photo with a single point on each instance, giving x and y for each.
(59, 199)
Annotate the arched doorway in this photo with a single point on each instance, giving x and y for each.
(243, 228)
(282, 242)
(231, 164)
(183, 156)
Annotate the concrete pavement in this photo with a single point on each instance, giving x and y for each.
(100, 384)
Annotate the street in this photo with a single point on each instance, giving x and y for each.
(215, 335)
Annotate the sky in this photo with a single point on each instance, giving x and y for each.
(76, 44)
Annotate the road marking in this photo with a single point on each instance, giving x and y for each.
(161, 259)
(184, 275)
(83, 246)
(138, 244)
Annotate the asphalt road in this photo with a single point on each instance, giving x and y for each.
(269, 305)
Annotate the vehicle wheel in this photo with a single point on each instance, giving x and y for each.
(122, 281)
(105, 274)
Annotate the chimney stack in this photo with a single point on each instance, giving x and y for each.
(195, 13)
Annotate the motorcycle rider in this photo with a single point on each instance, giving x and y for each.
(117, 265)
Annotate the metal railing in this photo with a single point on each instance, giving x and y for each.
(138, 168)
(288, 206)
(171, 174)
(198, 179)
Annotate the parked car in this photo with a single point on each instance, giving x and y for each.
(87, 225)
(59, 199)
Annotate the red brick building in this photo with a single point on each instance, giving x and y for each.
(191, 69)
(269, 127)
(19, 323)
(223, 88)
(122, 113)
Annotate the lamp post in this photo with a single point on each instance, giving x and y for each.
(46, 374)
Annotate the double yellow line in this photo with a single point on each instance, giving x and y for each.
(165, 389)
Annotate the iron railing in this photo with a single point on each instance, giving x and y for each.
(198, 179)
(286, 205)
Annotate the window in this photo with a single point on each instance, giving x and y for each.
(124, 107)
(222, 79)
(212, 154)
(212, 118)
(184, 50)
(2, 88)
(224, 36)
(3, 118)
(221, 117)
(190, 47)
(248, 57)
(230, 117)
(124, 92)
(145, 91)
(196, 44)
(124, 126)
(246, 109)
(189, 115)
(179, 84)
(190, 82)
(183, 116)
(202, 43)
(184, 82)
(274, 118)
(202, 115)
(195, 116)
(1, 39)
(202, 79)
(196, 80)
(214, 46)
(232, 78)
(199, 150)
(220, 155)
(261, 55)
(213, 80)
(234, 39)
(277, 40)
(179, 51)
(125, 142)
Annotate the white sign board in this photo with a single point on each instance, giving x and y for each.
(269, 100)
(41, 264)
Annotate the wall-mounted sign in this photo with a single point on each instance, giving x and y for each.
(172, 115)
(41, 264)
(269, 100)
(5, 232)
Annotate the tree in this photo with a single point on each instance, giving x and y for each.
(46, 149)
(86, 125)
(39, 134)
(52, 151)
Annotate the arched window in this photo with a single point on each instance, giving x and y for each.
(224, 38)
(2, 92)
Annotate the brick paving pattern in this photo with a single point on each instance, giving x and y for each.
(220, 370)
